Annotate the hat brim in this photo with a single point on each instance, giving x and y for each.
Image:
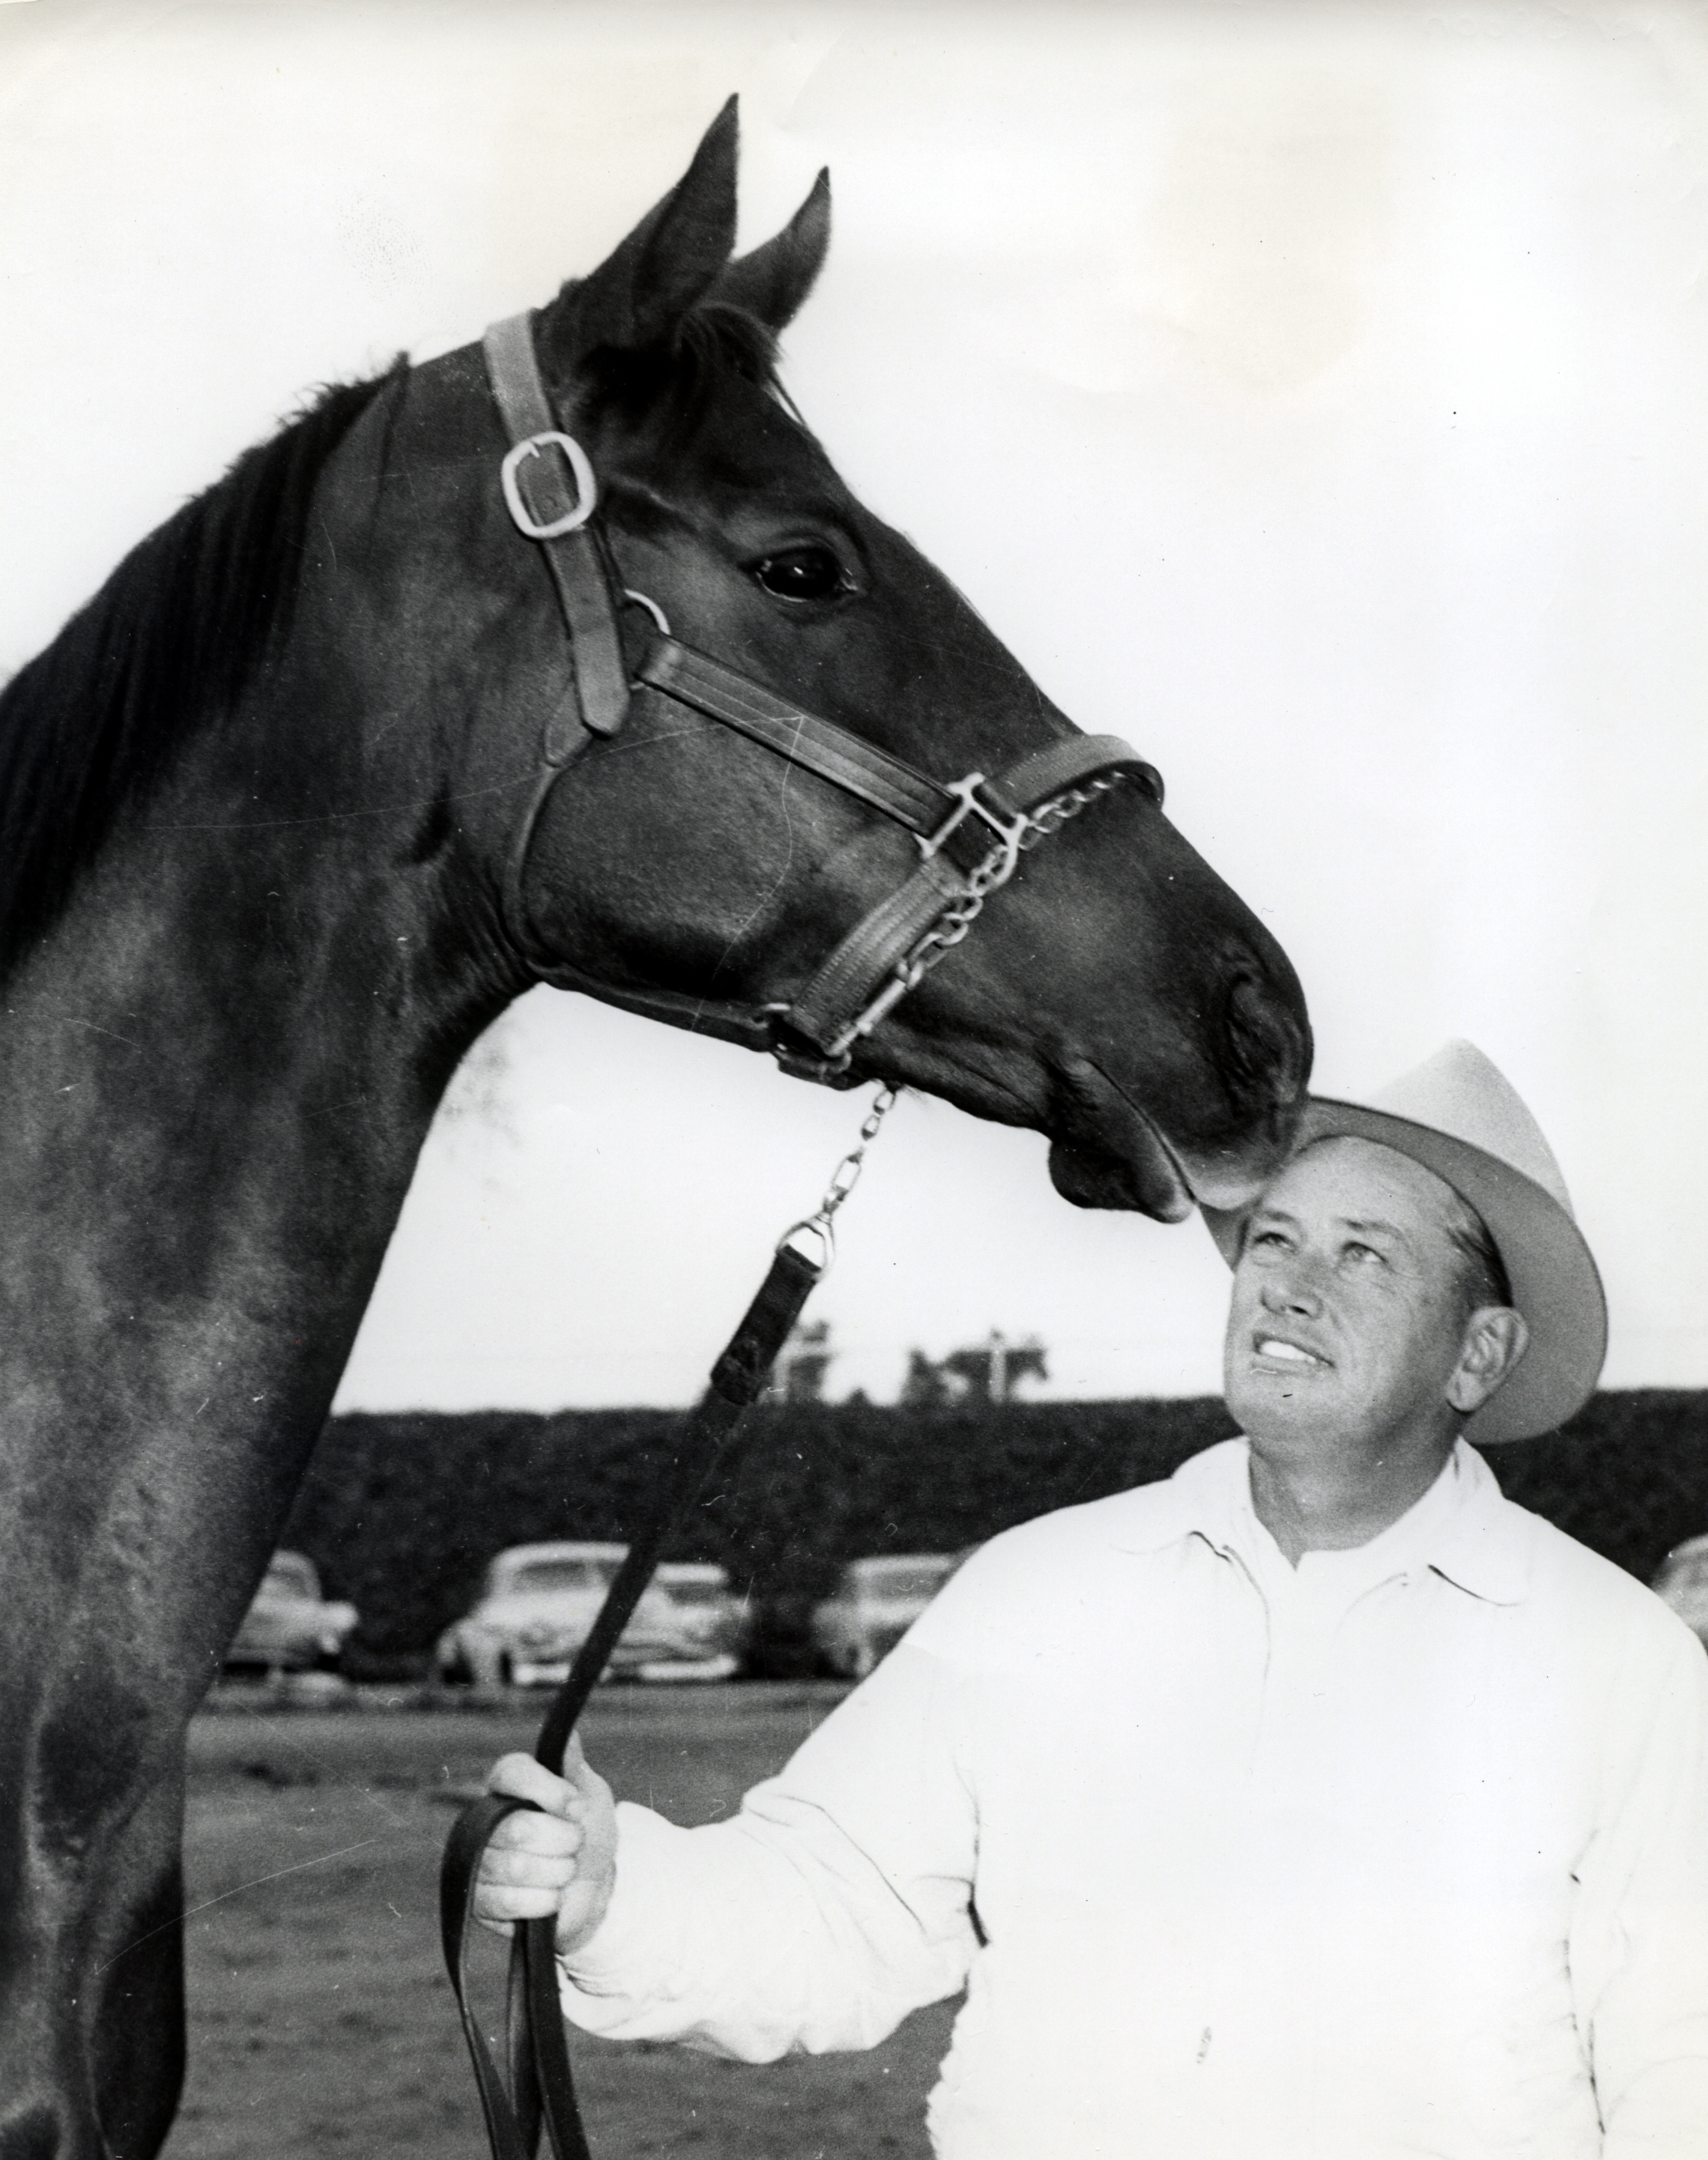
(1553, 1278)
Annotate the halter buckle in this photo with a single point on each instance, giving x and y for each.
(800, 1058)
(1009, 831)
(581, 469)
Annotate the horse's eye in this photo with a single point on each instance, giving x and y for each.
(801, 573)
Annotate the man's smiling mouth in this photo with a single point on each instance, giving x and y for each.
(1272, 1349)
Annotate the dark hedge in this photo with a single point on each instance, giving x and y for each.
(400, 1513)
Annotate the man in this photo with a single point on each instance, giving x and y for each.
(1315, 1803)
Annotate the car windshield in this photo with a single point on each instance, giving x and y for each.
(539, 1575)
(917, 1578)
(289, 1576)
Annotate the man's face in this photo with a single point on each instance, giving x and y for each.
(1348, 1318)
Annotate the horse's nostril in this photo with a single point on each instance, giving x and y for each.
(1267, 1052)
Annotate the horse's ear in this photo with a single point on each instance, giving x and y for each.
(771, 282)
(642, 290)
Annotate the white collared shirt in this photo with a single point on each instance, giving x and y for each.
(1400, 1853)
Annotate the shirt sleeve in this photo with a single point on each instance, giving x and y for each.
(837, 1901)
(1640, 1949)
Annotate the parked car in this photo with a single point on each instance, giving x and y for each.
(698, 1628)
(539, 1601)
(1683, 1582)
(289, 1627)
(874, 1604)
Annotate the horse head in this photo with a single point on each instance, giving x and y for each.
(1116, 995)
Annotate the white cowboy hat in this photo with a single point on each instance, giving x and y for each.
(1458, 1115)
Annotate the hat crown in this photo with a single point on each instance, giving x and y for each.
(1461, 1093)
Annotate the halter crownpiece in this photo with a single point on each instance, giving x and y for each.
(971, 832)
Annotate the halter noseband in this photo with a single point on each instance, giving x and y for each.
(971, 832)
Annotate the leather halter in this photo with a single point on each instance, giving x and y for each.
(971, 832)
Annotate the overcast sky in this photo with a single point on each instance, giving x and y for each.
(1313, 394)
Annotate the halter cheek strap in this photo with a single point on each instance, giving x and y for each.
(971, 832)
(534, 478)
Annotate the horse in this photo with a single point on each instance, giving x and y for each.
(338, 762)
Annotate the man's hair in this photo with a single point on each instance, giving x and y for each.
(1482, 1274)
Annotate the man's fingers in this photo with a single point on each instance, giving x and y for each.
(499, 1905)
(560, 1860)
(527, 1831)
(525, 1870)
(520, 1778)
(515, 1900)
(542, 1869)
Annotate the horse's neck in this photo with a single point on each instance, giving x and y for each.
(220, 1068)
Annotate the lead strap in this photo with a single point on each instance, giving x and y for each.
(539, 2088)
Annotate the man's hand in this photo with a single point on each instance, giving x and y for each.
(562, 1861)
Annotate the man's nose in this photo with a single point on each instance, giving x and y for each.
(1292, 1289)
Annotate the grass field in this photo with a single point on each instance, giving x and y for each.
(320, 2021)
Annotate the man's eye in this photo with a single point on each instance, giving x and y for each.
(1360, 1255)
(801, 573)
(1273, 1239)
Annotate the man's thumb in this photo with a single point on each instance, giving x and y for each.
(577, 1770)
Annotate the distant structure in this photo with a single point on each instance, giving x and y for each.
(990, 1373)
(801, 1367)
(925, 1387)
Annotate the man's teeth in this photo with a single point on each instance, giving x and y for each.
(1289, 1353)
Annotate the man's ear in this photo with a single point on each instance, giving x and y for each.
(648, 283)
(772, 282)
(1494, 1340)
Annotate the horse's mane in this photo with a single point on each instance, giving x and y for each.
(91, 726)
(93, 722)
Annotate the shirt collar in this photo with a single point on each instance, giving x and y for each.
(1463, 1528)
